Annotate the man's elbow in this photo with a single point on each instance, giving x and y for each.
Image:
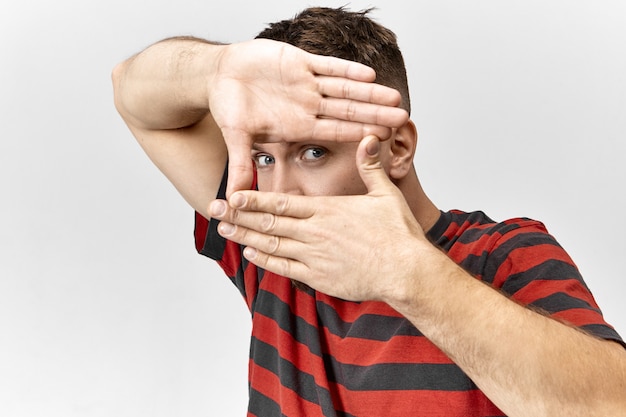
(117, 74)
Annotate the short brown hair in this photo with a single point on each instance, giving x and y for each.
(347, 35)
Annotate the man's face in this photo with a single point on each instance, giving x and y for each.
(317, 168)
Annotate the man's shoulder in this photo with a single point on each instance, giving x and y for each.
(457, 226)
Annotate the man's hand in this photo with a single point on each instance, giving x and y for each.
(352, 247)
(270, 91)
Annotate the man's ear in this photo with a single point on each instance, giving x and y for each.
(403, 145)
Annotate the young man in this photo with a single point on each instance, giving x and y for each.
(366, 300)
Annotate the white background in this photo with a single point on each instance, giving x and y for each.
(106, 310)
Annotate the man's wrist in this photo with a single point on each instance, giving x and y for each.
(419, 267)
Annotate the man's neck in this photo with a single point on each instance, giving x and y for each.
(424, 210)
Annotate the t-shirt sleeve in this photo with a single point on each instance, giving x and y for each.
(530, 266)
(208, 241)
(226, 253)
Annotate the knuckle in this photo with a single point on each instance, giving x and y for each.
(322, 107)
(234, 216)
(371, 96)
(346, 90)
(268, 223)
(273, 245)
(330, 69)
(340, 131)
(284, 266)
(351, 111)
(282, 204)
(321, 85)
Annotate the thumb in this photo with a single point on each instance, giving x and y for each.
(370, 167)
(240, 171)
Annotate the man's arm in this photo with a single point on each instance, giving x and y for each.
(161, 93)
(528, 364)
(192, 105)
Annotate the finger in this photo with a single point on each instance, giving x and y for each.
(334, 130)
(285, 267)
(360, 91)
(358, 111)
(270, 244)
(275, 203)
(265, 223)
(240, 170)
(370, 167)
(337, 67)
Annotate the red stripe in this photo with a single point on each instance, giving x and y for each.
(301, 303)
(522, 259)
(399, 349)
(268, 384)
(267, 331)
(455, 229)
(408, 403)
(305, 306)
(349, 312)
(231, 259)
(489, 241)
(579, 317)
(460, 251)
(201, 227)
(539, 289)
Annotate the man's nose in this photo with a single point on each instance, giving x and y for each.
(285, 180)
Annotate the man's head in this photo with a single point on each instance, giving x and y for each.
(347, 35)
(328, 168)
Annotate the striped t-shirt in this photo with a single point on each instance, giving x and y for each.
(315, 355)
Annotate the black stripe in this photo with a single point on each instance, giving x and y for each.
(561, 301)
(524, 240)
(487, 264)
(367, 326)
(262, 406)
(214, 244)
(447, 219)
(260, 274)
(603, 332)
(552, 270)
(271, 306)
(268, 357)
(477, 265)
(239, 279)
(473, 234)
(398, 376)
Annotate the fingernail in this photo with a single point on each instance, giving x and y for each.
(238, 200)
(372, 147)
(226, 229)
(250, 253)
(218, 208)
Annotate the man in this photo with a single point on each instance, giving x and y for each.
(366, 300)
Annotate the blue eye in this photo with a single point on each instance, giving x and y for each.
(312, 154)
(263, 160)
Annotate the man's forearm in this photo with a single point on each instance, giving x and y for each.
(527, 363)
(165, 86)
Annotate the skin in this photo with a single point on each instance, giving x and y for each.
(307, 168)
(190, 106)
